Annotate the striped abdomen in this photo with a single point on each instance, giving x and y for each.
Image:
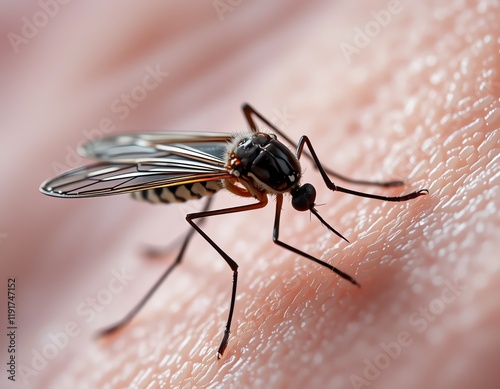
(178, 193)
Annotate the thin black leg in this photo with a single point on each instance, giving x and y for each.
(304, 140)
(276, 233)
(158, 252)
(151, 291)
(248, 111)
(232, 264)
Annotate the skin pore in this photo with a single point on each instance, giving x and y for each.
(419, 101)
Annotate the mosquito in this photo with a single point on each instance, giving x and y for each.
(177, 167)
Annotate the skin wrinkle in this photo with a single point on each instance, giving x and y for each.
(419, 102)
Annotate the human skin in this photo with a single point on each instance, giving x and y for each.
(419, 102)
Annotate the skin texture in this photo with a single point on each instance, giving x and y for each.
(420, 102)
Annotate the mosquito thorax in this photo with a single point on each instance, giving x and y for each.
(264, 161)
(303, 197)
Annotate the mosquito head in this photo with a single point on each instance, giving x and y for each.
(303, 200)
(303, 197)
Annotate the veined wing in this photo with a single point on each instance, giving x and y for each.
(151, 145)
(144, 161)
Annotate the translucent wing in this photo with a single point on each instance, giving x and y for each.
(155, 145)
(143, 161)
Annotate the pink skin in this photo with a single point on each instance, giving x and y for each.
(420, 101)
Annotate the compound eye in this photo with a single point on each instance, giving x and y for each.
(303, 197)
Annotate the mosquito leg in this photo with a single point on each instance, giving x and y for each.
(304, 140)
(248, 111)
(151, 291)
(276, 232)
(232, 264)
(158, 252)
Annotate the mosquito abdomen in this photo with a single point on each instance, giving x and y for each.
(178, 193)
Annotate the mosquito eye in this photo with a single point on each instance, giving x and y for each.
(303, 197)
